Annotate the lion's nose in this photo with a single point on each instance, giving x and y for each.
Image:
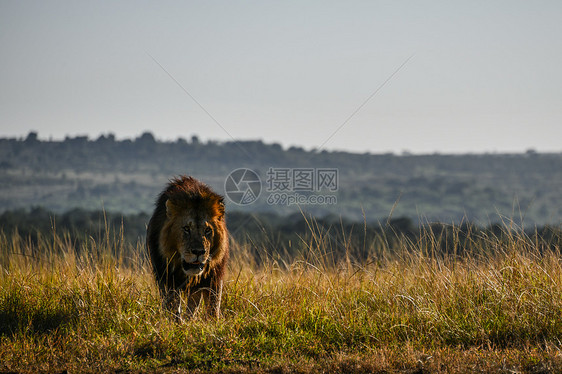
(198, 252)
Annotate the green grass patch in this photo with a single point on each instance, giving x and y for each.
(497, 308)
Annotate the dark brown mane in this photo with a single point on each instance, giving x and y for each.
(189, 193)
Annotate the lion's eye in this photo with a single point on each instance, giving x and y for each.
(208, 231)
(187, 230)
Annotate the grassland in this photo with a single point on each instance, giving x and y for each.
(407, 308)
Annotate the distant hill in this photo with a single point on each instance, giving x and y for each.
(125, 176)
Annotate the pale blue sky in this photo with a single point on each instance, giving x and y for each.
(484, 76)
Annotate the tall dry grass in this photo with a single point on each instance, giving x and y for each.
(490, 302)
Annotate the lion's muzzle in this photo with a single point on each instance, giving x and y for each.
(194, 263)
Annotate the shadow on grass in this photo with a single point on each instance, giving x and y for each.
(22, 317)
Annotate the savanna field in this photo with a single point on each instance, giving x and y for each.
(486, 303)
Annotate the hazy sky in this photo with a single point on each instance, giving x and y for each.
(484, 76)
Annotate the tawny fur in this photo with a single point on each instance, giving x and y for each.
(186, 202)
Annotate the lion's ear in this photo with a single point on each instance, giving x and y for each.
(170, 208)
(221, 208)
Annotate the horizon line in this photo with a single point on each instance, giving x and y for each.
(285, 147)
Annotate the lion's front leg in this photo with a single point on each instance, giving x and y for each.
(183, 304)
(193, 301)
(215, 298)
(172, 302)
(211, 297)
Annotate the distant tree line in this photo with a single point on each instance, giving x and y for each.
(79, 224)
(271, 235)
(127, 174)
(145, 151)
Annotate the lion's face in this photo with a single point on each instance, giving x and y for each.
(196, 234)
(195, 246)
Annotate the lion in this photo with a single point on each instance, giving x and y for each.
(187, 240)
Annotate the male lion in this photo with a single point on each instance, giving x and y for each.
(188, 244)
